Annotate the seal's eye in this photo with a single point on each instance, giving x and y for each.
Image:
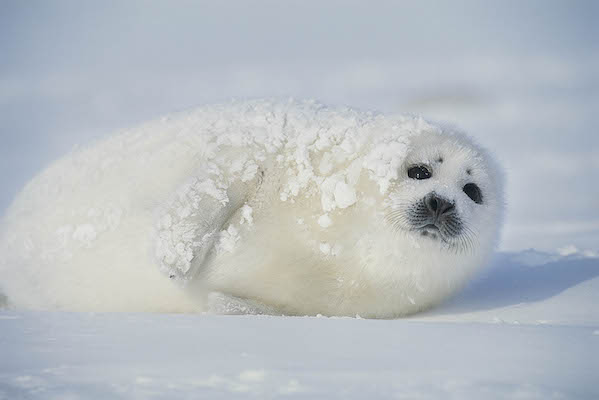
(473, 191)
(419, 172)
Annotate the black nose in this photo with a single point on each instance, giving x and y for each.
(438, 206)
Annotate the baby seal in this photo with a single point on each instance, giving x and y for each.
(290, 208)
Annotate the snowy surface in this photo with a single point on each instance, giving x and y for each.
(527, 329)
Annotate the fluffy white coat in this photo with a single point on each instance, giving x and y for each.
(284, 205)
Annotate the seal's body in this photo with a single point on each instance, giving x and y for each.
(289, 207)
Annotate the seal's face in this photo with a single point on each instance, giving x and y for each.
(447, 193)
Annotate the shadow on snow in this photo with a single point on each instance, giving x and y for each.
(511, 280)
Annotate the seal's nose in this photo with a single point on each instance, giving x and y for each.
(438, 206)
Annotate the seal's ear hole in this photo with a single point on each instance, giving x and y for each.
(473, 191)
(419, 172)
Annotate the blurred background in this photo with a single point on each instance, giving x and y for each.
(520, 76)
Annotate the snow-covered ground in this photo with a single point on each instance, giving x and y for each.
(526, 329)
(218, 357)
(521, 77)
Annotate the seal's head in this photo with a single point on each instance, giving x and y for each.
(448, 195)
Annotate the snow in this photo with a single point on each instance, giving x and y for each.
(228, 238)
(246, 215)
(325, 221)
(186, 356)
(85, 233)
(345, 195)
(527, 328)
(325, 248)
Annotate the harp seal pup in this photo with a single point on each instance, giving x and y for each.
(256, 206)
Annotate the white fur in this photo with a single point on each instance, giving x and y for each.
(284, 204)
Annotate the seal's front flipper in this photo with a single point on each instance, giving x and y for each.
(190, 223)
